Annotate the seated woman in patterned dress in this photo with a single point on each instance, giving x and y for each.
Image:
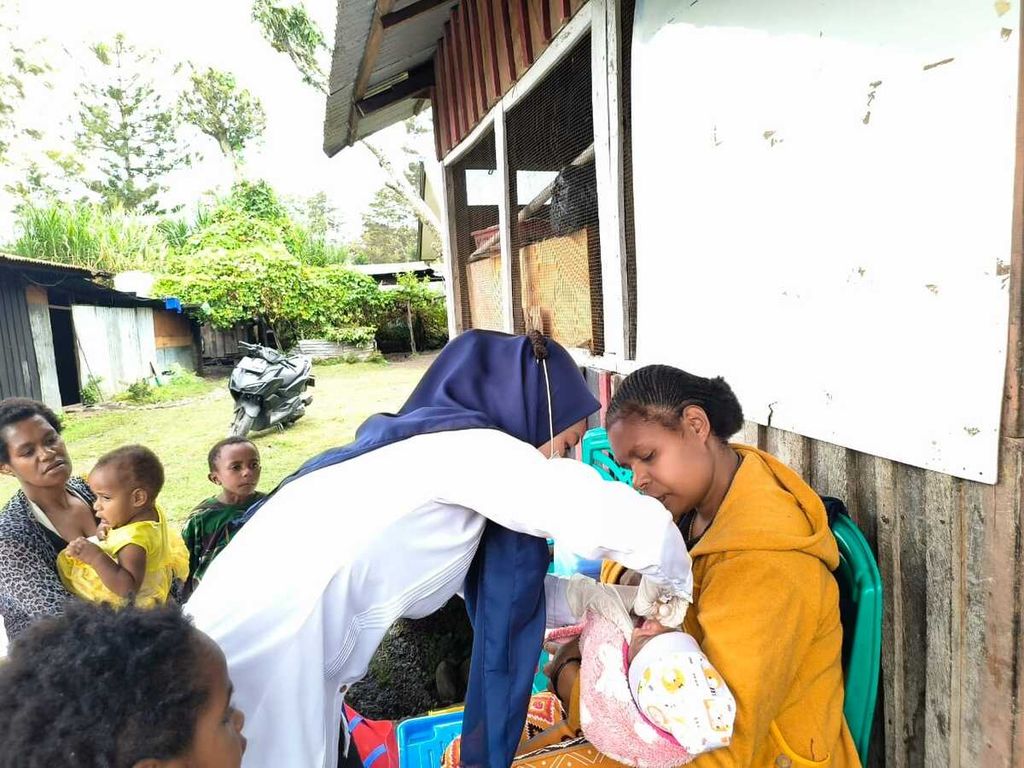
(51, 509)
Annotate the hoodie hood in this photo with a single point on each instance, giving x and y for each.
(769, 508)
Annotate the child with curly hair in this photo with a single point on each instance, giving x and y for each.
(104, 688)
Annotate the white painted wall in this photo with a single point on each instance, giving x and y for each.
(823, 195)
(117, 344)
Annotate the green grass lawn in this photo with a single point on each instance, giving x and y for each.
(182, 434)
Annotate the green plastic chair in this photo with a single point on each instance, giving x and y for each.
(860, 601)
(860, 591)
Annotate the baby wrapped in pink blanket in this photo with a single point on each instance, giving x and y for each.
(648, 696)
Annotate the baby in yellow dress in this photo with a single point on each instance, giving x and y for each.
(135, 557)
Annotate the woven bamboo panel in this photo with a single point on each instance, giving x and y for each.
(556, 289)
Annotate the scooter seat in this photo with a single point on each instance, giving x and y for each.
(292, 369)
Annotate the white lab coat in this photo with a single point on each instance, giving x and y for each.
(303, 595)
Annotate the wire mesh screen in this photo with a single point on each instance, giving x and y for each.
(477, 249)
(556, 265)
(628, 7)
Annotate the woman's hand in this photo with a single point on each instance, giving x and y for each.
(563, 668)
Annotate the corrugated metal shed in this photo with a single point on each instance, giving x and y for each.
(19, 371)
(31, 360)
(76, 282)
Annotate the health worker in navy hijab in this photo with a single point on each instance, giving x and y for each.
(455, 493)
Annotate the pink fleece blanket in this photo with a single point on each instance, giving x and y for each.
(609, 717)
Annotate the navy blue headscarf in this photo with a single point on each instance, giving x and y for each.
(484, 379)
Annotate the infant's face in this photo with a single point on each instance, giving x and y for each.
(648, 629)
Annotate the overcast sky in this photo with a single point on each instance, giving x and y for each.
(216, 33)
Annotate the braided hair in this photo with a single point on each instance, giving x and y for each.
(661, 393)
(540, 345)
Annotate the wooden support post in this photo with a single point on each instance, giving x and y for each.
(504, 218)
(449, 247)
(606, 76)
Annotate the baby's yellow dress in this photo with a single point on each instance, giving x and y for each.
(166, 560)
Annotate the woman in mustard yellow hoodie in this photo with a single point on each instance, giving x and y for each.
(765, 603)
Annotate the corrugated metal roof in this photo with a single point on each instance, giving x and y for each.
(78, 282)
(404, 46)
(21, 261)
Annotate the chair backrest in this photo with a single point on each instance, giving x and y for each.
(860, 590)
(860, 596)
(596, 451)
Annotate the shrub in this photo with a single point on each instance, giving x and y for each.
(91, 394)
(140, 391)
(89, 236)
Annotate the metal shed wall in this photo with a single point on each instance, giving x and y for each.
(19, 372)
(116, 344)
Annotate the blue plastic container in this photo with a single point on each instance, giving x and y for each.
(423, 740)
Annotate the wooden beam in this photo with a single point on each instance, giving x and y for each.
(443, 143)
(492, 78)
(525, 35)
(373, 41)
(476, 107)
(409, 12)
(449, 94)
(510, 55)
(417, 81)
(467, 110)
(439, 140)
(476, 54)
(455, 78)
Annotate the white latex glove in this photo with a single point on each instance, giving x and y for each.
(608, 600)
(655, 601)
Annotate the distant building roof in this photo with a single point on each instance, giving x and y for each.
(420, 268)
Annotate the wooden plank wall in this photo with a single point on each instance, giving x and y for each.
(171, 329)
(487, 46)
(42, 336)
(220, 344)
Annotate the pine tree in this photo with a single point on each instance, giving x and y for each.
(127, 130)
